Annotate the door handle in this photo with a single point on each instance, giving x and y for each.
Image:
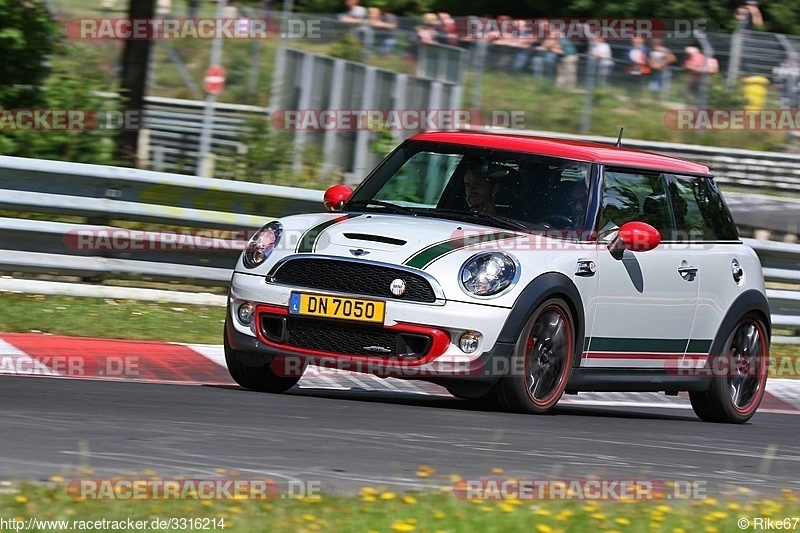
(687, 272)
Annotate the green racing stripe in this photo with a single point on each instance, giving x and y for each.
(428, 255)
(309, 238)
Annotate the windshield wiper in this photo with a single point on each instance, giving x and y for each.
(507, 222)
(394, 208)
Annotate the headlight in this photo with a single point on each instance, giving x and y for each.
(488, 273)
(261, 244)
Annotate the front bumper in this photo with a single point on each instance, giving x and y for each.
(442, 323)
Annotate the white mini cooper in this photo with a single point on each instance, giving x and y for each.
(512, 269)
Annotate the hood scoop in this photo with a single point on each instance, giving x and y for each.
(374, 238)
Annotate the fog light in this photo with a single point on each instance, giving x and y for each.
(246, 313)
(468, 342)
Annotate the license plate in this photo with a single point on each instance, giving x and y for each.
(337, 307)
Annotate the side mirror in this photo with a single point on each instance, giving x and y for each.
(636, 237)
(336, 196)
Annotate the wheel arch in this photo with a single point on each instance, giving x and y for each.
(547, 285)
(749, 301)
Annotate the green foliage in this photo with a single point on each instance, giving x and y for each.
(348, 47)
(72, 86)
(384, 142)
(719, 97)
(269, 159)
(27, 38)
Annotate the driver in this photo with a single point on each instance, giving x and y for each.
(481, 190)
(576, 202)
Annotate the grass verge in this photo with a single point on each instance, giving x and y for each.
(380, 510)
(160, 321)
(111, 319)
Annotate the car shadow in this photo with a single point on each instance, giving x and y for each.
(450, 402)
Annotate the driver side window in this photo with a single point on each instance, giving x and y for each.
(629, 196)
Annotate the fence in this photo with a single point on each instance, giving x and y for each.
(111, 195)
(307, 81)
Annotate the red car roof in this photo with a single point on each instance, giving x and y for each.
(569, 149)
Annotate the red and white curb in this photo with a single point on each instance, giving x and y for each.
(55, 356)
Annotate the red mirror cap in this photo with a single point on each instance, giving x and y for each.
(336, 196)
(639, 236)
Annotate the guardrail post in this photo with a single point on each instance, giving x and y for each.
(143, 149)
(361, 159)
(303, 104)
(330, 141)
(399, 100)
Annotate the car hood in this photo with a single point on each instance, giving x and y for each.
(397, 239)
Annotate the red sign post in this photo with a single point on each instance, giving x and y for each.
(215, 79)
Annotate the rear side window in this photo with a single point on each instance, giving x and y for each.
(700, 212)
(641, 196)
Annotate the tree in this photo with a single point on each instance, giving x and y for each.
(135, 59)
(27, 39)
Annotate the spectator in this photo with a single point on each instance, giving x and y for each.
(547, 55)
(448, 27)
(638, 64)
(699, 67)
(194, 9)
(660, 59)
(601, 52)
(385, 26)
(567, 76)
(429, 32)
(355, 13)
(163, 8)
(528, 48)
(749, 16)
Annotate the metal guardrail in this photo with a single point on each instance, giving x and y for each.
(105, 196)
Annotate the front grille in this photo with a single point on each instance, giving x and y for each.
(353, 278)
(335, 338)
(351, 339)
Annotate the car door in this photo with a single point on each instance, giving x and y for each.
(704, 223)
(646, 301)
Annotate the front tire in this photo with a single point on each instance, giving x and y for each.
(542, 361)
(247, 371)
(739, 375)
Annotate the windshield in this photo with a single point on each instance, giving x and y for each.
(493, 187)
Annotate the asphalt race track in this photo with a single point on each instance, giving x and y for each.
(348, 439)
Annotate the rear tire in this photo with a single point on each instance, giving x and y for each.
(739, 375)
(247, 371)
(542, 361)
